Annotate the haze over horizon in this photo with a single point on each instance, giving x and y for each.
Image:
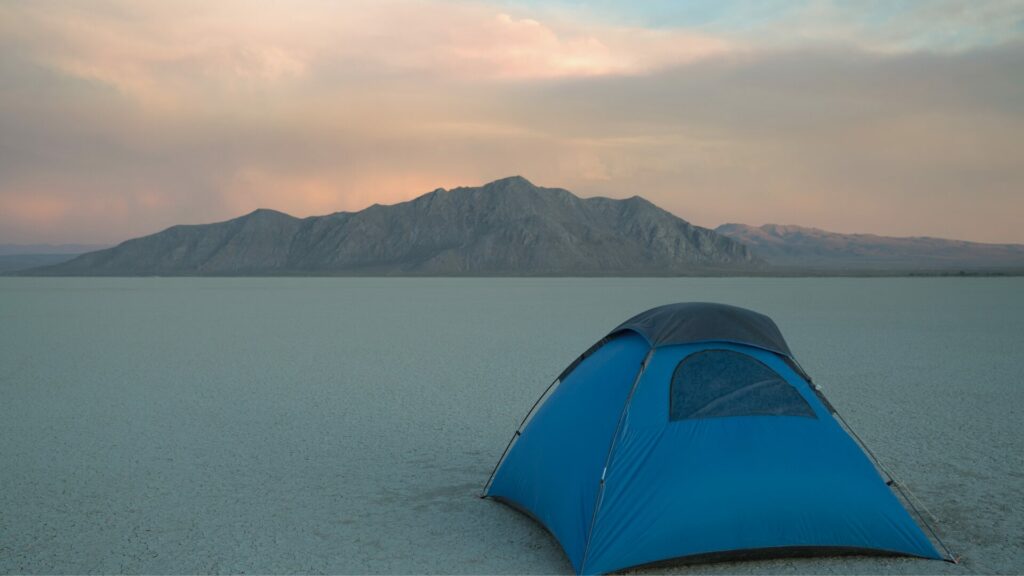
(900, 119)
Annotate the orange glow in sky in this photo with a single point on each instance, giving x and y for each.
(122, 118)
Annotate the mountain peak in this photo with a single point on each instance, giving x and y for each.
(509, 184)
(266, 212)
(515, 180)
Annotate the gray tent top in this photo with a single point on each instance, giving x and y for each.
(689, 322)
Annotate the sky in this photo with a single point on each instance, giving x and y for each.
(120, 118)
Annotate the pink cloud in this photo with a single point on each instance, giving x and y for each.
(163, 53)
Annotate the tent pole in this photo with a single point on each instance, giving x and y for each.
(904, 491)
(544, 395)
(608, 459)
(891, 482)
(517, 433)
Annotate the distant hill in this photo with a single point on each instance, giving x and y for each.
(15, 257)
(15, 262)
(797, 247)
(22, 249)
(508, 227)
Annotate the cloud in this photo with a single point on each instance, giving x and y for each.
(129, 117)
(842, 139)
(870, 25)
(202, 50)
(887, 26)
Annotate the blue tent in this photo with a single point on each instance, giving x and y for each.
(690, 432)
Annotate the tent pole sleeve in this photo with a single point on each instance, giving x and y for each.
(608, 458)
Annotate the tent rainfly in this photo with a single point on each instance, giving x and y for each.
(691, 433)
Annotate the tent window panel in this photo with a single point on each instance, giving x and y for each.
(721, 383)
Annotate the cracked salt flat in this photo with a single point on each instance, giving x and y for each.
(307, 425)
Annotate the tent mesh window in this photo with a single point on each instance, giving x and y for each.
(721, 383)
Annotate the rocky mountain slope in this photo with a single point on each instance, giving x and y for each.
(508, 227)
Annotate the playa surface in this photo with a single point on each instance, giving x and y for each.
(299, 425)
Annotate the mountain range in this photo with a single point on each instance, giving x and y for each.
(511, 227)
(802, 248)
(507, 227)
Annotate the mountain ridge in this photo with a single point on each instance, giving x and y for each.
(791, 246)
(506, 227)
